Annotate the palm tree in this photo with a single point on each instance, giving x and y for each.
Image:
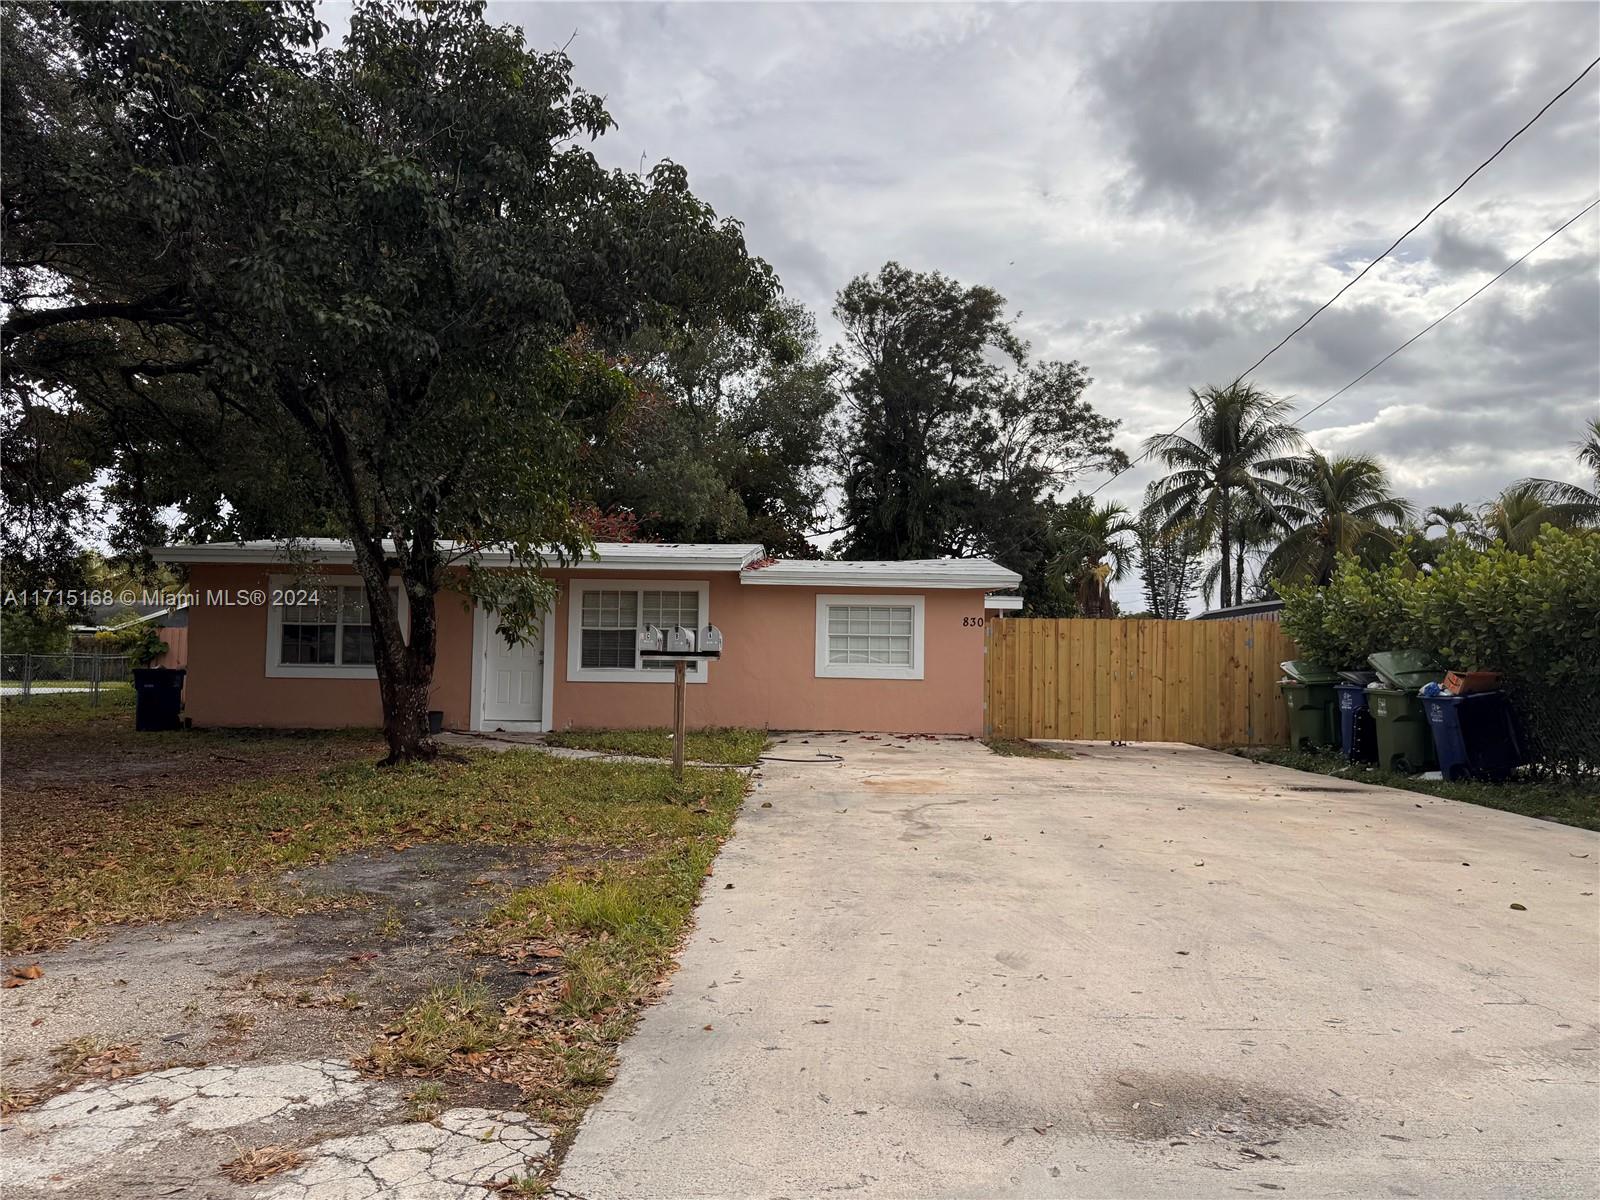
(1515, 517)
(1093, 549)
(1452, 518)
(1341, 506)
(1570, 504)
(1226, 469)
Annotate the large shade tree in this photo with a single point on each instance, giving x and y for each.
(1226, 472)
(374, 290)
(728, 441)
(953, 440)
(1337, 506)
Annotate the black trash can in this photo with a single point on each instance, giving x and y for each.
(158, 698)
(1475, 735)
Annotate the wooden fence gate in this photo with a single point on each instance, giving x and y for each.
(1213, 683)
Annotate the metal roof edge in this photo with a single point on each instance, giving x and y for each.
(613, 556)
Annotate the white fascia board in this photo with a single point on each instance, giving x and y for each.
(957, 573)
(613, 556)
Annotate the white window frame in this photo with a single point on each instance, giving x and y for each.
(578, 673)
(833, 670)
(277, 669)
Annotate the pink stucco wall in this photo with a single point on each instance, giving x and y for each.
(766, 678)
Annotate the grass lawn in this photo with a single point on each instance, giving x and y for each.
(1569, 803)
(235, 809)
(1022, 748)
(729, 747)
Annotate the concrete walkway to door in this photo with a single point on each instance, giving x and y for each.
(1149, 971)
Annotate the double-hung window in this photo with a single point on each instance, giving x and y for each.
(320, 629)
(606, 620)
(869, 637)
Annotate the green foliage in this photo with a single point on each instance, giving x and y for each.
(1169, 559)
(953, 438)
(1361, 611)
(728, 441)
(1535, 618)
(1223, 478)
(377, 291)
(139, 640)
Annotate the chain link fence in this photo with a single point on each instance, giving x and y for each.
(1561, 725)
(25, 675)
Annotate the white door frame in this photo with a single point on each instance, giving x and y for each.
(482, 631)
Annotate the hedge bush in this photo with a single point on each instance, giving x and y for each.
(1535, 618)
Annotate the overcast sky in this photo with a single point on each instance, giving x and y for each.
(1163, 191)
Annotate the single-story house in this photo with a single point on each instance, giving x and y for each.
(278, 637)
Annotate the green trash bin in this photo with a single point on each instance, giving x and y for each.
(1405, 743)
(1313, 704)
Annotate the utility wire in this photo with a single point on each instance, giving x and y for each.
(1392, 246)
(1549, 237)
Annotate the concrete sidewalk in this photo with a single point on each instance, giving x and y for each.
(1149, 971)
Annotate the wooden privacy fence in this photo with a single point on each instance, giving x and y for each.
(1214, 683)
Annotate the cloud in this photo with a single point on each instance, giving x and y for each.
(1164, 191)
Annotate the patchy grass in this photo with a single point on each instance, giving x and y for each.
(727, 747)
(83, 851)
(425, 1101)
(458, 1018)
(599, 942)
(595, 942)
(1567, 803)
(1021, 748)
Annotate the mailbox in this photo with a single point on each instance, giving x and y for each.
(680, 640)
(711, 639)
(651, 639)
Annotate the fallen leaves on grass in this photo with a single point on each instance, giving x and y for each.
(262, 1162)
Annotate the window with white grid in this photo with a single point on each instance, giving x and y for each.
(870, 633)
(869, 637)
(607, 620)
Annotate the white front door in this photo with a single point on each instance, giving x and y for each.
(513, 679)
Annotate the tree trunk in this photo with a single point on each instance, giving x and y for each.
(1238, 575)
(1226, 534)
(405, 666)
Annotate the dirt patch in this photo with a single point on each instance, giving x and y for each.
(237, 987)
(1182, 1108)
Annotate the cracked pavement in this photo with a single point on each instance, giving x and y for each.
(151, 1134)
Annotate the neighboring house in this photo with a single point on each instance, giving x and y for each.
(885, 646)
(1267, 609)
(172, 626)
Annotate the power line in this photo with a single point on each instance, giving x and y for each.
(1420, 221)
(1549, 237)
(1391, 248)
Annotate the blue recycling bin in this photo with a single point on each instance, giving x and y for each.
(1475, 735)
(1358, 740)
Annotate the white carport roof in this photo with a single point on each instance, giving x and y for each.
(912, 573)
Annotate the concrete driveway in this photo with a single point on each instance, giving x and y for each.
(1148, 971)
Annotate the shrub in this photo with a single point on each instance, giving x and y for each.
(1535, 618)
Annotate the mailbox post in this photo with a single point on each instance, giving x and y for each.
(680, 647)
